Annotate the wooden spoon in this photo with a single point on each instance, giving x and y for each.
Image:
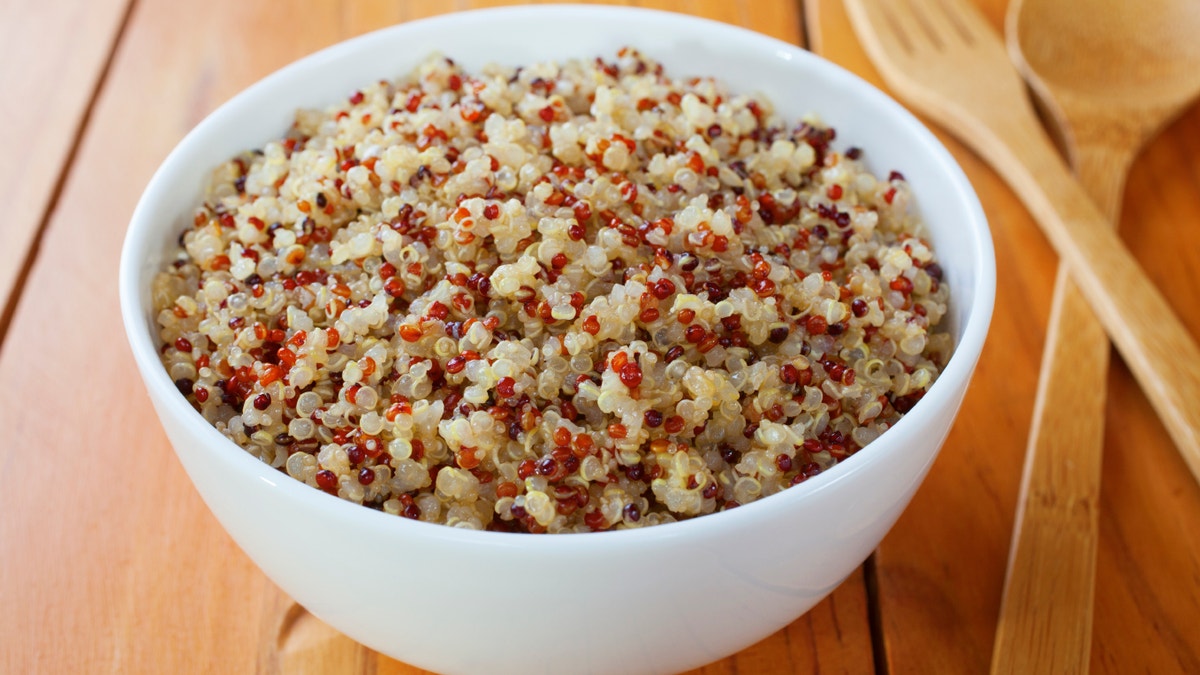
(1111, 74)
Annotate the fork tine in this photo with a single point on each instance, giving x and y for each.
(941, 18)
(929, 26)
(902, 39)
(892, 30)
(968, 20)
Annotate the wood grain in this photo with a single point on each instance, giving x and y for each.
(939, 569)
(1045, 622)
(111, 562)
(52, 54)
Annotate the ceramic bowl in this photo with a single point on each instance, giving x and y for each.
(659, 599)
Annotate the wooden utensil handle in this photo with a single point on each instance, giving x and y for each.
(1047, 606)
(1046, 614)
(1154, 343)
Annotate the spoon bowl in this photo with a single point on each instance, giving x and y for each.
(1105, 66)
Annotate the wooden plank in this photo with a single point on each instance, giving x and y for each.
(112, 562)
(52, 54)
(941, 570)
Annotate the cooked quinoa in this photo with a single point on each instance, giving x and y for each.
(558, 298)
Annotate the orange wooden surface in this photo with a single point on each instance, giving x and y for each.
(110, 562)
(52, 56)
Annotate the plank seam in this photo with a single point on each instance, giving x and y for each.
(875, 616)
(806, 40)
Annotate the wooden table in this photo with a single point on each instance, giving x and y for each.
(110, 562)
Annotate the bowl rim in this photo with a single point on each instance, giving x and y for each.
(969, 344)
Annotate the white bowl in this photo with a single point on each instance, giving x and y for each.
(658, 599)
